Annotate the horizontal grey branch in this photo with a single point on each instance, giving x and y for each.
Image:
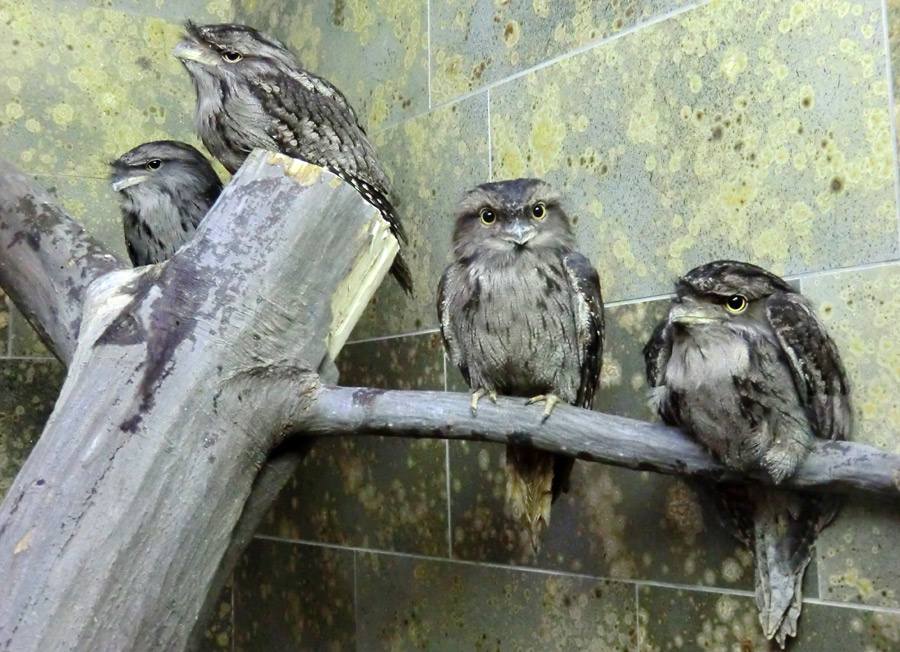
(844, 467)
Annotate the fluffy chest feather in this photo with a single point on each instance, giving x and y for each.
(517, 327)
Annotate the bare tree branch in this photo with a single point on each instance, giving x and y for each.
(48, 260)
(844, 467)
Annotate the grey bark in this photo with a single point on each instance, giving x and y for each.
(183, 379)
(842, 467)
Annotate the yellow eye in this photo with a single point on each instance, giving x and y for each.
(231, 56)
(487, 216)
(539, 210)
(736, 304)
(154, 164)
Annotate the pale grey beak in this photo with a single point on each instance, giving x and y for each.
(127, 182)
(189, 51)
(519, 232)
(692, 313)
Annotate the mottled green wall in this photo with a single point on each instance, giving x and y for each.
(678, 132)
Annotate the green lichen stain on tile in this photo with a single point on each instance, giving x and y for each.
(717, 133)
(375, 52)
(858, 558)
(290, 596)
(200, 11)
(373, 492)
(83, 85)
(28, 390)
(476, 43)
(431, 160)
(443, 606)
(862, 312)
(677, 619)
(219, 630)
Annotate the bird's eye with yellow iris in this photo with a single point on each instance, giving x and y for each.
(539, 210)
(231, 56)
(487, 216)
(154, 164)
(736, 304)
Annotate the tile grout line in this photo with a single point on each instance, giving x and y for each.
(696, 588)
(447, 472)
(355, 602)
(428, 40)
(891, 107)
(489, 139)
(380, 338)
(637, 617)
(544, 64)
(233, 621)
(511, 567)
(9, 330)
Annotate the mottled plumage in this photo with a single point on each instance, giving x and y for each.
(252, 92)
(167, 187)
(521, 314)
(743, 364)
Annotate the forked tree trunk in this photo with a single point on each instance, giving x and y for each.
(185, 377)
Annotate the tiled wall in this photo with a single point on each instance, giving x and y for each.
(678, 132)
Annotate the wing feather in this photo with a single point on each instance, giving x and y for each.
(589, 319)
(815, 364)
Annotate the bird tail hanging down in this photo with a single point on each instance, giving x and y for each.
(534, 480)
(376, 197)
(785, 528)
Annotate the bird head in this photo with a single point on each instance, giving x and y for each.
(510, 218)
(230, 52)
(163, 166)
(724, 293)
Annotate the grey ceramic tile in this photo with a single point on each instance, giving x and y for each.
(477, 42)
(375, 52)
(82, 85)
(674, 619)
(613, 522)
(28, 390)
(718, 133)
(416, 604)
(220, 629)
(858, 557)
(200, 11)
(294, 597)
(432, 161)
(373, 492)
(893, 17)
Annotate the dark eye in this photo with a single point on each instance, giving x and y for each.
(487, 216)
(154, 164)
(736, 304)
(231, 56)
(539, 210)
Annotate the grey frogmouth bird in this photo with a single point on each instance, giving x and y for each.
(252, 92)
(166, 187)
(743, 364)
(521, 314)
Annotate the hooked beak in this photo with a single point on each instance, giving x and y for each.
(188, 50)
(126, 182)
(519, 232)
(681, 313)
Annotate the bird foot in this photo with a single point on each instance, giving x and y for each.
(477, 394)
(550, 399)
